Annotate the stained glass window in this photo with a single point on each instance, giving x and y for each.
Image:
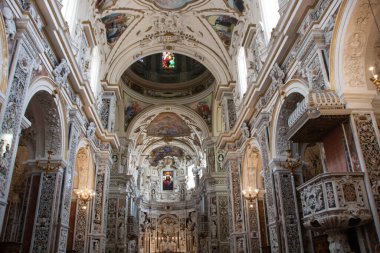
(168, 60)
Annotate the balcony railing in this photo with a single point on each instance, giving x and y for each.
(315, 115)
(334, 201)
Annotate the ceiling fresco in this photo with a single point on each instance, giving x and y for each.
(104, 4)
(168, 124)
(171, 4)
(116, 24)
(223, 26)
(163, 154)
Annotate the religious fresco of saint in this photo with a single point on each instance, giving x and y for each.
(104, 4)
(116, 24)
(223, 26)
(132, 107)
(167, 180)
(237, 5)
(171, 4)
(203, 108)
(168, 124)
(168, 60)
(159, 154)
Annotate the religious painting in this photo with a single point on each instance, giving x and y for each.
(171, 4)
(223, 26)
(104, 4)
(132, 107)
(203, 108)
(162, 153)
(168, 60)
(167, 180)
(168, 124)
(237, 5)
(116, 24)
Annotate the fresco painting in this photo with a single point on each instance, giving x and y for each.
(104, 4)
(116, 24)
(132, 107)
(223, 26)
(171, 4)
(203, 108)
(161, 153)
(238, 5)
(168, 124)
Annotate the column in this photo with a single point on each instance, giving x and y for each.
(237, 229)
(367, 141)
(63, 225)
(23, 63)
(270, 197)
(48, 212)
(98, 219)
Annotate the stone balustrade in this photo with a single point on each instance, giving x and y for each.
(333, 201)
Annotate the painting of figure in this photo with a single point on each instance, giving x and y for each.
(168, 124)
(203, 108)
(116, 24)
(167, 181)
(223, 26)
(104, 4)
(237, 5)
(171, 4)
(159, 154)
(132, 108)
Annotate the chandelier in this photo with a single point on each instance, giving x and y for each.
(84, 195)
(48, 168)
(290, 163)
(250, 195)
(374, 79)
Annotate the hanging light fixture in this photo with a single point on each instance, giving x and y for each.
(251, 195)
(48, 168)
(84, 195)
(374, 79)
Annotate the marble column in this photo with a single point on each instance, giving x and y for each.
(10, 123)
(270, 194)
(98, 220)
(367, 140)
(47, 216)
(237, 228)
(63, 226)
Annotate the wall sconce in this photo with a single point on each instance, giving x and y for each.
(84, 195)
(250, 195)
(374, 79)
(48, 168)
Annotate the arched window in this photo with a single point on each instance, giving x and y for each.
(190, 177)
(95, 69)
(270, 16)
(69, 12)
(242, 71)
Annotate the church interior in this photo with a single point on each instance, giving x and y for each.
(189, 126)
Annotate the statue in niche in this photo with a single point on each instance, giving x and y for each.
(121, 231)
(83, 165)
(213, 229)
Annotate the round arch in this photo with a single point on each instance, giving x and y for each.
(202, 53)
(352, 49)
(292, 93)
(46, 87)
(147, 115)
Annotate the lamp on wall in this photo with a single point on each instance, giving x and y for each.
(48, 168)
(250, 195)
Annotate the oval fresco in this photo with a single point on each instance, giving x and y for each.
(171, 4)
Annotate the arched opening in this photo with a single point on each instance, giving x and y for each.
(81, 201)
(37, 178)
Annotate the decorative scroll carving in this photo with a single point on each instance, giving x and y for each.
(80, 229)
(61, 72)
(10, 25)
(236, 196)
(231, 113)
